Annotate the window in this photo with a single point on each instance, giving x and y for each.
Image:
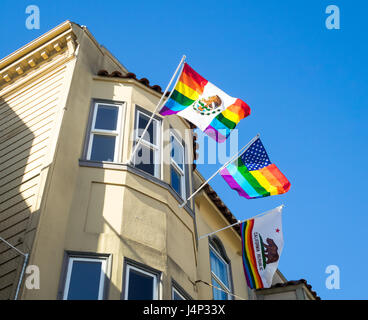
(179, 294)
(176, 295)
(177, 165)
(140, 284)
(219, 274)
(147, 157)
(85, 279)
(105, 133)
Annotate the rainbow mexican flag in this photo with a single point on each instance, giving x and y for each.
(206, 106)
(262, 243)
(253, 175)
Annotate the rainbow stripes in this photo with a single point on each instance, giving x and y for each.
(192, 91)
(188, 89)
(222, 125)
(262, 244)
(252, 275)
(253, 175)
(265, 182)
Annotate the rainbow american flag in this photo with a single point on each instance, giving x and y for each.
(262, 244)
(206, 106)
(253, 175)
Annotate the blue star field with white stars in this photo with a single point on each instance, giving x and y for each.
(255, 157)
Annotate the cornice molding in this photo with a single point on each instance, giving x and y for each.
(35, 43)
(62, 44)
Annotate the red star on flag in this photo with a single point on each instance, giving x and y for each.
(277, 230)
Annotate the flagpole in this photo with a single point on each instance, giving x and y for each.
(157, 108)
(241, 221)
(246, 147)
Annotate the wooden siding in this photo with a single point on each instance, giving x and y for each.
(26, 119)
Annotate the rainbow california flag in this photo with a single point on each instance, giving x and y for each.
(262, 243)
(206, 106)
(253, 175)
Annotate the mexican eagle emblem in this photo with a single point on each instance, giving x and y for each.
(208, 106)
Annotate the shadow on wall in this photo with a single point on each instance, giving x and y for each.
(98, 230)
(19, 173)
(94, 229)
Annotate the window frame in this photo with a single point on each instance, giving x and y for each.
(155, 275)
(157, 149)
(178, 288)
(176, 167)
(103, 276)
(174, 290)
(111, 133)
(218, 280)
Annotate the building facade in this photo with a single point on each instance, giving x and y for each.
(70, 115)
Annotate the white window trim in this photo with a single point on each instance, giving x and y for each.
(114, 133)
(227, 272)
(154, 276)
(174, 290)
(102, 277)
(156, 148)
(177, 167)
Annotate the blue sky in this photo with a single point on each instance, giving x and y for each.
(307, 88)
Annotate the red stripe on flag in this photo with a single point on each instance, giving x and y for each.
(253, 261)
(279, 176)
(241, 108)
(187, 70)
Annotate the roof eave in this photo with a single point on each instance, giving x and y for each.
(21, 52)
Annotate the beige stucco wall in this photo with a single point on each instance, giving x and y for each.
(289, 292)
(290, 295)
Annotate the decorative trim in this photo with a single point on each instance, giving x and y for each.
(63, 43)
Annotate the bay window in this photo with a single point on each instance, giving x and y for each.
(147, 156)
(105, 133)
(177, 165)
(85, 278)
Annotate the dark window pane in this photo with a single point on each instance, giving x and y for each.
(106, 118)
(176, 180)
(176, 296)
(84, 280)
(150, 135)
(103, 148)
(218, 294)
(177, 152)
(140, 286)
(144, 160)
